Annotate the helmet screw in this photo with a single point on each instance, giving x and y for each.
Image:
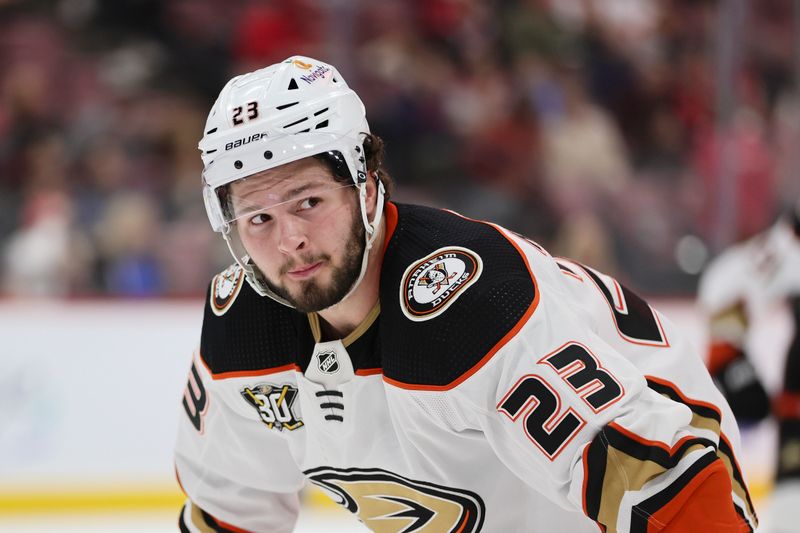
(267, 155)
(238, 164)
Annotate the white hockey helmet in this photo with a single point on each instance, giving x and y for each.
(295, 109)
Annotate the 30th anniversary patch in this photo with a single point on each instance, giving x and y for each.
(431, 284)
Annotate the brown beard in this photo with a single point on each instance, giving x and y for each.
(315, 297)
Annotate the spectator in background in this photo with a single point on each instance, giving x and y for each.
(45, 256)
(127, 235)
(442, 79)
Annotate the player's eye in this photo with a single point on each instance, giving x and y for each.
(308, 203)
(260, 218)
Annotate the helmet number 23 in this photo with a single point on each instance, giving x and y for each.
(252, 113)
(546, 423)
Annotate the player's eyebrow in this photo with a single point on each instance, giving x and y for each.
(242, 206)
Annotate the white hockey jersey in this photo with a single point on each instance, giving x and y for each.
(754, 273)
(493, 388)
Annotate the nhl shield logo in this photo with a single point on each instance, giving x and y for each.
(225, 288)
(432, 284)
(327, 362)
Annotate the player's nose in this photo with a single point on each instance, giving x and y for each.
(292, 236)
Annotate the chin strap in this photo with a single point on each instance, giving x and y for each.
(371, 227)
(371, 230)
(252, 275)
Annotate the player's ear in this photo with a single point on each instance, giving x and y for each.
(372, 193)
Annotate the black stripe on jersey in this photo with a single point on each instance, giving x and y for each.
(642, 512)
(725, 452)
(181, 522)
(565, 268)
(647, 452)
(697, 408)
(212, 523)
(439, 351)
(596, 461)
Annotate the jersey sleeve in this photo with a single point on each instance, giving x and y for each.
(577, 421)
(236, 476)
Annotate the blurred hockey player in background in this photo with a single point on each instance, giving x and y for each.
(428, 372)
(743, 281)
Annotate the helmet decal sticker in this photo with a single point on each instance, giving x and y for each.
(430, 285)
(225, 288)
(299, 64)
(317, 73)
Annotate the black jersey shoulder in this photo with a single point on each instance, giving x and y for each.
(249, 332)
(425, 345)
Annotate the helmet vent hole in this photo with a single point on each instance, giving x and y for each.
(238, 164)
(209, 132)
(305, 130)
(296, 122)
(292, 85)
(323, 124)
(321, 111)
(267, 155)
(211, 151)
(284, 106)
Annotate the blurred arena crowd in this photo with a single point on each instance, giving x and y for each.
(608, 130)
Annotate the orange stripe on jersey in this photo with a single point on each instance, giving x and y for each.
(230, 527)
(690, 402)
(502, 342)
(703, 504)
(248, 373)
(560, 261)
(464, 522)
(651, 443)
(369, 372)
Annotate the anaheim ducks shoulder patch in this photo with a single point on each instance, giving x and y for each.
(431, 284)
(225, 288)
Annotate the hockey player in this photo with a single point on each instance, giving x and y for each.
(740, 283)
(429, 372)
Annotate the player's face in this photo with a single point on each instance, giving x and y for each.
(303, 230)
